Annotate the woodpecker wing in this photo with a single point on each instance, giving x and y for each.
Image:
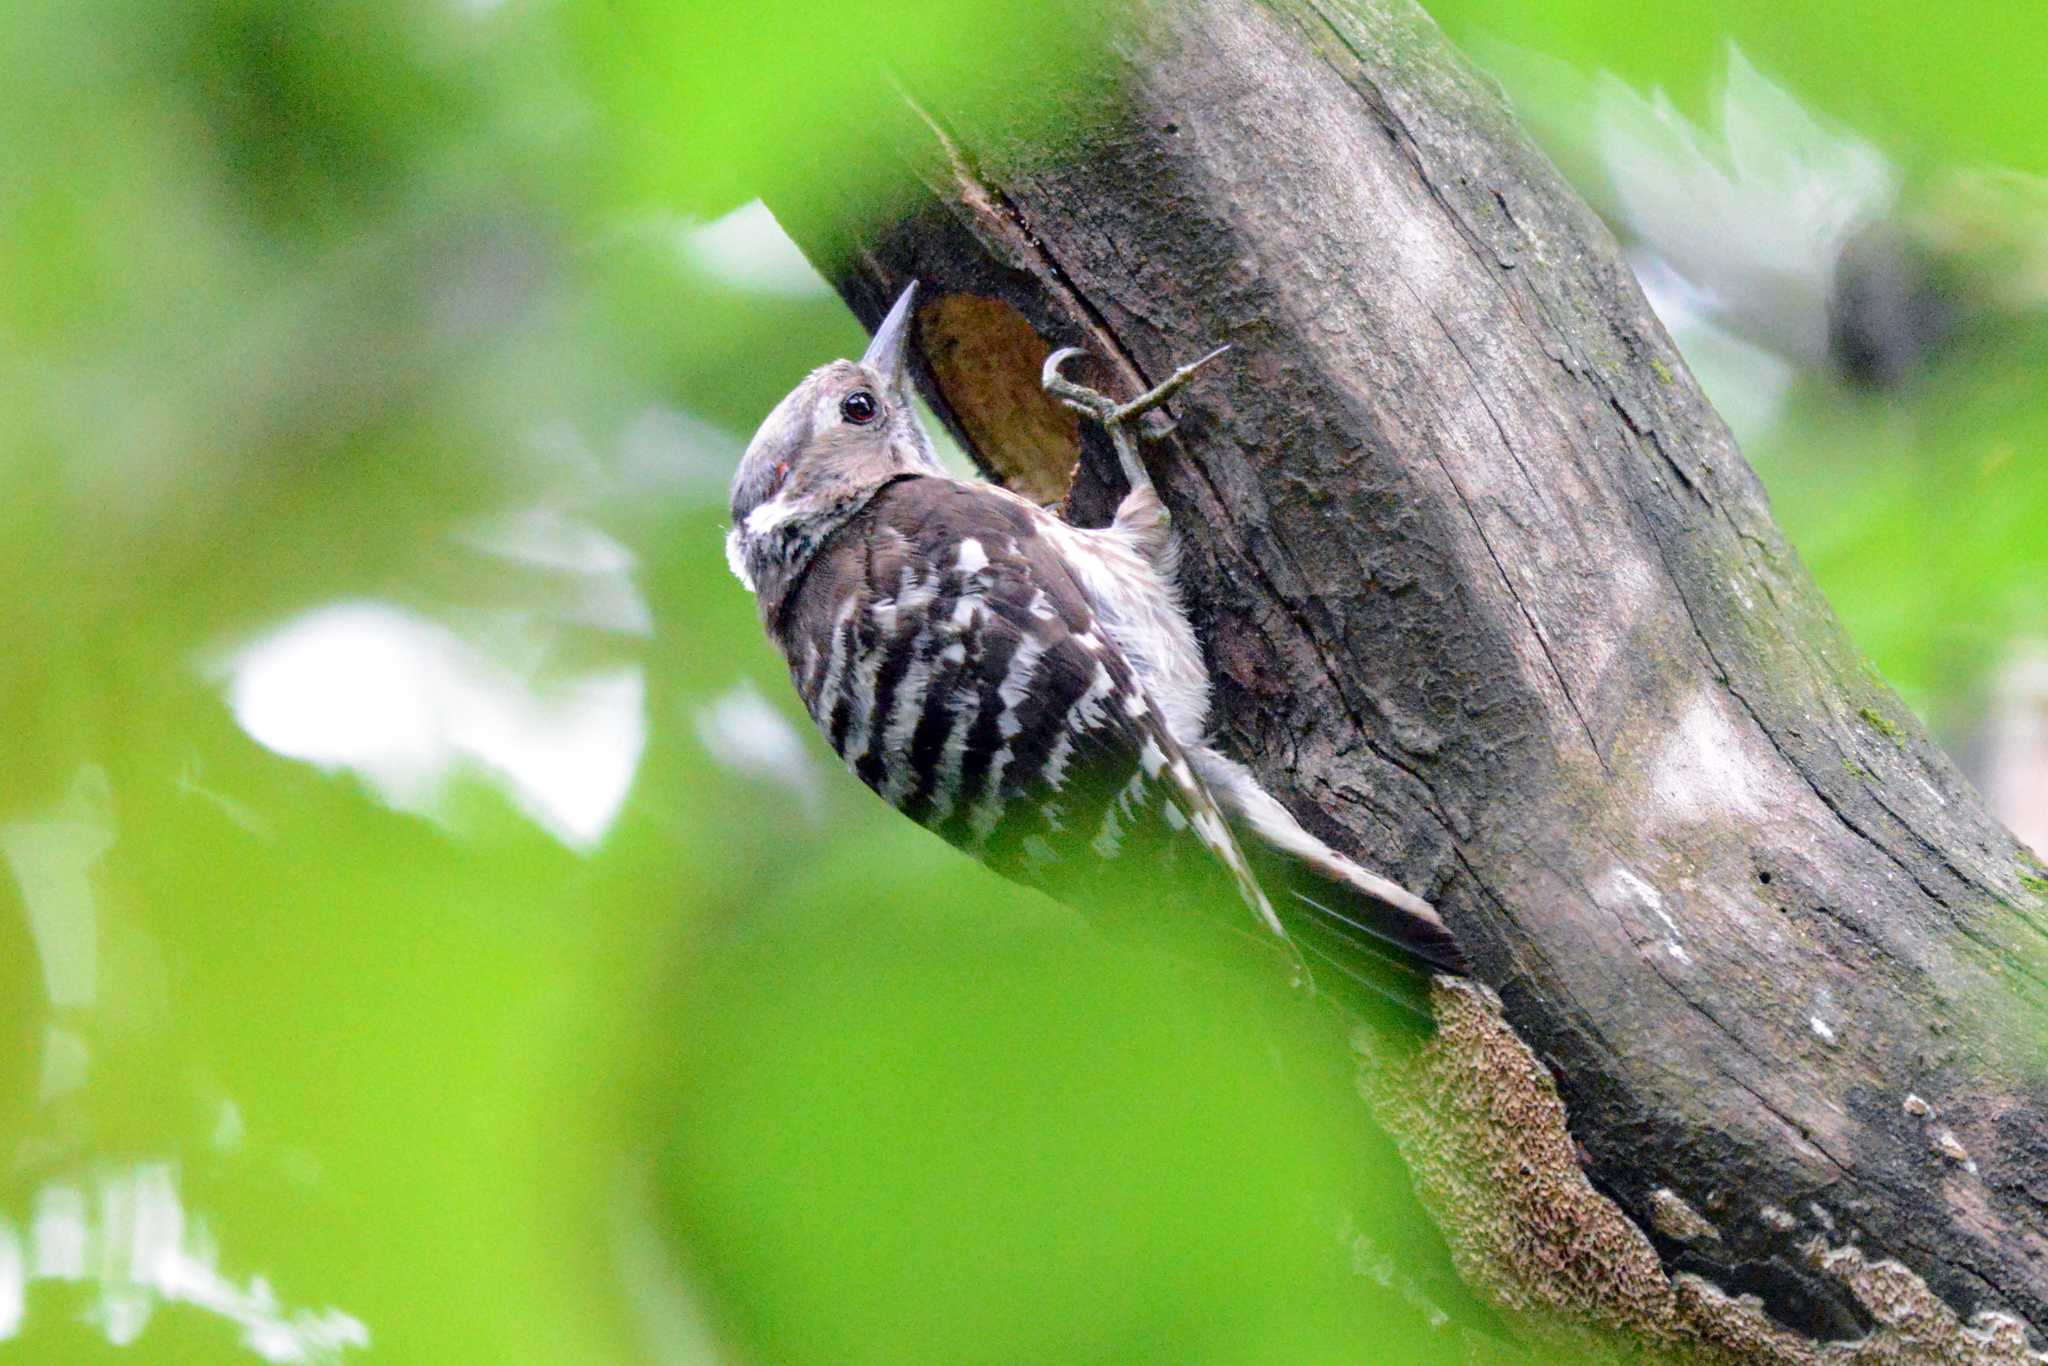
(949, 655)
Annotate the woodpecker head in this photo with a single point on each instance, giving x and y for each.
(845, 431)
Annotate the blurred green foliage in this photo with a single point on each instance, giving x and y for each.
(294, 293)
(1924, 515)
(1922, 510)
(1946, 86)
(799, 102)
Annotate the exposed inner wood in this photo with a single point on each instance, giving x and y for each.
(985, 359)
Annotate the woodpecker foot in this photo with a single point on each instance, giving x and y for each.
(1104, 409)
(1116, 418)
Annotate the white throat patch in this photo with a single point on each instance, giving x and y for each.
(736, 561)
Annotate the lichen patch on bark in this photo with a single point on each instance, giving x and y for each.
(1480, 1123)
(1679, 1221)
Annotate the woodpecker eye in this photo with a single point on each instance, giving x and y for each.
(858, 407)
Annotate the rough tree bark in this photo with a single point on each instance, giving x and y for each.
(1494, 600)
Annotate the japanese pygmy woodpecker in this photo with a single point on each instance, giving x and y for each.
(1028, 689)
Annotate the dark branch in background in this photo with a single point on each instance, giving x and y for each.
(1494, 601)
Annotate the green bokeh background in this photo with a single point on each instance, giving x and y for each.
(290, 292)
(1922, 510)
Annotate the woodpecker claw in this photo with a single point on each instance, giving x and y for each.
(1116, 418)
(1079, 397)
(1100, 406)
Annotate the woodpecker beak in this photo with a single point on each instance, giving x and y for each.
(885, 354)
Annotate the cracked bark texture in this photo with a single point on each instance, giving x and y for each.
(1493, 600)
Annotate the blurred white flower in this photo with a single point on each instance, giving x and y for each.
(1748, 383)
(405, 703)
(747, 249)
(2014, 763)
(1754, 213)
(746, 734)
(1736, 231)
(590, 573)
(54, 857)
(136, 1241)
(666, 451)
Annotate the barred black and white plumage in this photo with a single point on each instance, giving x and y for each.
(1028, 689)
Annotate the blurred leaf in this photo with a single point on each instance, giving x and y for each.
(914, 1123)
(295, 294)
(801, 101)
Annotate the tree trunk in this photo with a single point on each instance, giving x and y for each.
(1493, 600)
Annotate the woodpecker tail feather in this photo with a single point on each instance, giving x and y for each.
(1366, 923)
(1336, 904)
